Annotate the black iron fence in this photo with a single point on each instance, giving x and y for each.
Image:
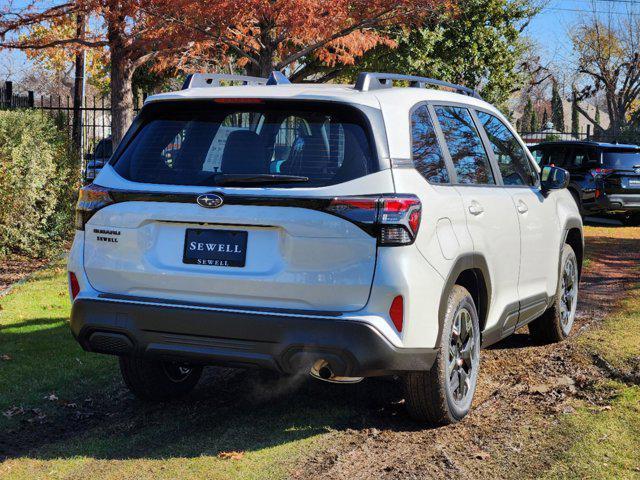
(95, 113)
(95, 124)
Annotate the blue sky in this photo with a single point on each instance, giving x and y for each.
(549, 29)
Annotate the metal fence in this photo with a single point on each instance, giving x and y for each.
(95, 114)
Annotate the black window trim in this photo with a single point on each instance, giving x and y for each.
(492, 164)
(446, 157)
(371, 117)
(494, 161)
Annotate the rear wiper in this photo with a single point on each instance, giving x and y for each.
(256, 179)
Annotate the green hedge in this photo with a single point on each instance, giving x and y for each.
(38, 181)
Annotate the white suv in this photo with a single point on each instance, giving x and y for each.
(337, 230)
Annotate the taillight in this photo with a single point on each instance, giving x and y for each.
(599, 172)
(90, 199)
(396, 312)
(393, 219)
(74, 285)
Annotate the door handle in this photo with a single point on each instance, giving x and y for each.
(522, 207)
(475, 208)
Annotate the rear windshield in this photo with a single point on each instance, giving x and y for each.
(623, 159)
(201, 143)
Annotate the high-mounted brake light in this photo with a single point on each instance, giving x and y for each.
(90, 199)
(393, 219)
(238, 100)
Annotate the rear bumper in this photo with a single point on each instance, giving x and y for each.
(621, 202)
(276, 341)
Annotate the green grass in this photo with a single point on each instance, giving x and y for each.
(604, 443)
(108, 434)
(43, 359)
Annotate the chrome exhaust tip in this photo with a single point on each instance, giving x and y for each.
(322, 371)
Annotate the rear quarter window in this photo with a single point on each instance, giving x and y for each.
(195, 142)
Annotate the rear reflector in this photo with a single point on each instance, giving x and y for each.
(396, 312)
(74, 285)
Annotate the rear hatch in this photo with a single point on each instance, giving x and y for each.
(622, 167)
(230, 203)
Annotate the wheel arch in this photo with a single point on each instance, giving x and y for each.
(573, 237)
(471, 272)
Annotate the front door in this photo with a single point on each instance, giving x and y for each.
(536, 214)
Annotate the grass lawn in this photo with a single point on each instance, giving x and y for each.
(605, 442)
(66, 413)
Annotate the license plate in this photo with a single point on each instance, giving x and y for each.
(218, 248)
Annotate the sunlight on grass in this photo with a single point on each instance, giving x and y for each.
(41, 357)
(607, 442)
(123, 438)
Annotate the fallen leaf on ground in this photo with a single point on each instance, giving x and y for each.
(13, 411)
(231, 455)
(5, 357)
(52, 397)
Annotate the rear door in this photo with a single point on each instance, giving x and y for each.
(491, 218)
(580, 162)
(272, 245)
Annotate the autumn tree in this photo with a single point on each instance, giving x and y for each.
(479, 44)
(609, 63)
(266, 35)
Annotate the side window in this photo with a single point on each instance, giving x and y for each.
(538, 155)
(582, 157)
(425, 150)
(467, 153)
(556, 156)
(512, 160)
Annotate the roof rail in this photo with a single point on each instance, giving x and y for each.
(375, 81)
(198, 80)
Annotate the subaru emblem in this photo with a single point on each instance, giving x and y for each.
(210, 200)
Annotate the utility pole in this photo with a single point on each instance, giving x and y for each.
(78, 92)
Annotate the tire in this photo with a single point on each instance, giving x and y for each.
(556, 322)
(631, 219)
(158, 381)
(432, 396)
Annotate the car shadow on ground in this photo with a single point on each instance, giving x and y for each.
(230, 410)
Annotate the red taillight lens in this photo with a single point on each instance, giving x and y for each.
(90, 199)
(395, 220)
(396, 312)
(399, 220)
(599, 172)
(74, 286)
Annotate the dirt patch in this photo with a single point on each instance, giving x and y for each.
(523, 391)
(15, 267)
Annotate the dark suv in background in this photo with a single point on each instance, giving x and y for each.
(605, 177)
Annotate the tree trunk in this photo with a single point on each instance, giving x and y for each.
(121, 96)
(121, 78)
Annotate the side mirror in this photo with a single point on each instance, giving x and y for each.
(553, 178)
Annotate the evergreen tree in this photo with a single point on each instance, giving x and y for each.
(597, 119)
(545, 118)
(527, 113)
(557, 109)
(535, 126)
(575, 119)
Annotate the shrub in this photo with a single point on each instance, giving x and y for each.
(37, 183)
